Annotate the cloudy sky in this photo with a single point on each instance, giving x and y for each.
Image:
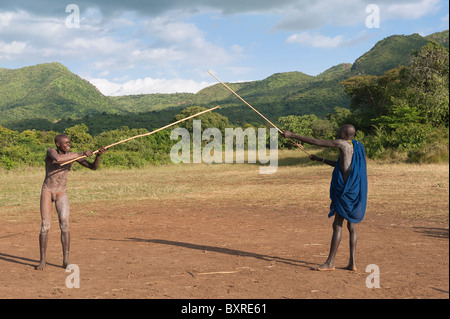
(163, 46)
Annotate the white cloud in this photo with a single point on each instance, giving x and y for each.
(148, 86)
(181, 41)
(14, 48)
(169, 30)
(316, 40)
(295, 15)
(412, 9)
(161, 55)
(92, 46)
(146, 43)
(307, 15)
(153, 8)
(7, 17)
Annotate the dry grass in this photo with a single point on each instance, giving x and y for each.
(407, 189)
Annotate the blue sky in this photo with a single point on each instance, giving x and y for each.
(154, 46)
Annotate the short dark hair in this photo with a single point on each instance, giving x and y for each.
(59, 137)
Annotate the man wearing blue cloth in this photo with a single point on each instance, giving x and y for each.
(348, 190)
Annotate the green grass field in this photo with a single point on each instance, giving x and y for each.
(416, 190)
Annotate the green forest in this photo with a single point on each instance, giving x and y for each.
(401, 114)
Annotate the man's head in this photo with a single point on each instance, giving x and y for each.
(347, 132)
(62, 142)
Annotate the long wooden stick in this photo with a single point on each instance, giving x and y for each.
(146, 134)
(300, 146)
(245, 102)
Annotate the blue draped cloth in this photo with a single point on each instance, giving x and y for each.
(350, 199)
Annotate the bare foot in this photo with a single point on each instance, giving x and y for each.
(66, 262)
(351, 267)
(325, 267)
(41, 266)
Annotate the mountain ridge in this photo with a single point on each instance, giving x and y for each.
(48, 96)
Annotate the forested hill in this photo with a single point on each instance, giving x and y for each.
(50, 97)
(48, 91)
(291, 93)
(394, 51)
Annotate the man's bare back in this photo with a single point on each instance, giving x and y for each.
(346, 155)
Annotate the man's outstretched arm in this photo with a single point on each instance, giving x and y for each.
(323, 160)
(309, 140)
(94, 165)
(62, 158)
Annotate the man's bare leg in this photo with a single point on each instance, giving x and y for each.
(353, 238)
(65, 241)
(46, 209)
(62, 207)
(43, 240)
(335, 241)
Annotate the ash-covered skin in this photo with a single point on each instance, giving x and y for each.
(54, 191)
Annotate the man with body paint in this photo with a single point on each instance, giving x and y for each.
(54, 190)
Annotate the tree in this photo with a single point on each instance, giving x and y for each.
(209, 120)
(365, 94)
(428, 81)
(79, 137)
(417, 93)
(406, 108)
(307, 125)
(298, 124)
(339, 117)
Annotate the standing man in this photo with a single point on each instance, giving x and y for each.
(348, 190)
(54, 190)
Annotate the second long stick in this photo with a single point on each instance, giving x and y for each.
(232, 91)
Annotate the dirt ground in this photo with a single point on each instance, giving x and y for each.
(224, 249)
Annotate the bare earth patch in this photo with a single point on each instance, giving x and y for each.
(224, 231)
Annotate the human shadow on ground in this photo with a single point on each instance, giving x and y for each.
(227, 251)
(23, 260)
(432, 232)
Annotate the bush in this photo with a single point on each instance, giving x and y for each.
(7, 162)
